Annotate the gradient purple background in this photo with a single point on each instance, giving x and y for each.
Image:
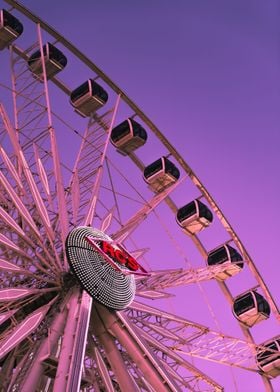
(207, 73)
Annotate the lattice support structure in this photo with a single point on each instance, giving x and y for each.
(151, 285)
(186, 337)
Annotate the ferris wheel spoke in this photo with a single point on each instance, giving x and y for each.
(185, 373)
(142, 214)
(18, 249)
(19, 205)
(11, 168)
(38, 203)
(86, 167)
(194, 339)
(44, 177)
(160, 280)
(13, 294)
(103, 371)
(107, 219)
(8, 267)
(41, 209)
(95, 192)
(13, 225)
(13, 251)
(33, 120)
(36, 265)
(62, 209)
(22, 330)
(136, 373)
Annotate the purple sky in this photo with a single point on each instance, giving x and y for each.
(219, 63)
(207, 73)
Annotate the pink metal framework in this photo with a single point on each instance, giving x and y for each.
(53, 336)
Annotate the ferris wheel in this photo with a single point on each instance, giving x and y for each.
(102, 224)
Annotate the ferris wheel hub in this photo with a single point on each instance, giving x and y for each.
(101, 267)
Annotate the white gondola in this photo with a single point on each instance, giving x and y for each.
(268, 359)
(226, 254)
(10, 28)
(161, 174)
(54, 59)
(251, 308)
(88, 97)
(128, 136)
(194, 216)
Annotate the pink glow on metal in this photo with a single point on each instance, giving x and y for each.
(11, 167)
(81, 339)
(139, 252)
(67, 343)
(32, 186)
(21, 332)
(138, 350)
(42, 172)
(107, 220)
(154, 294)
(6, 316)
(9, 128)
(47, 348)
(62, 209)
(75, 192)
(91, 210)
(41, 208)
(11, 222)
(18, 203)
(122, 237)
(13, 294)
(6, 241)
(103, 371)
(6, 265)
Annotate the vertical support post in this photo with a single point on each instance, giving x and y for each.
(46, 348)
(113, 355)
(67, 346)
(78, 353)
(138, 351)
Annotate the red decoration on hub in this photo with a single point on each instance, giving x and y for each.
(119, 255)
(115, 253)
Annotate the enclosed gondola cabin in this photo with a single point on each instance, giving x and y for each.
(128, 136)
(54, 60)
(268, 358)
(161, 174)
(251, 308)
(10, 28)
(225, 254)
(88, 97)
(194, 216)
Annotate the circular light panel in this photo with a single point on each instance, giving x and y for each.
(106, 285)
